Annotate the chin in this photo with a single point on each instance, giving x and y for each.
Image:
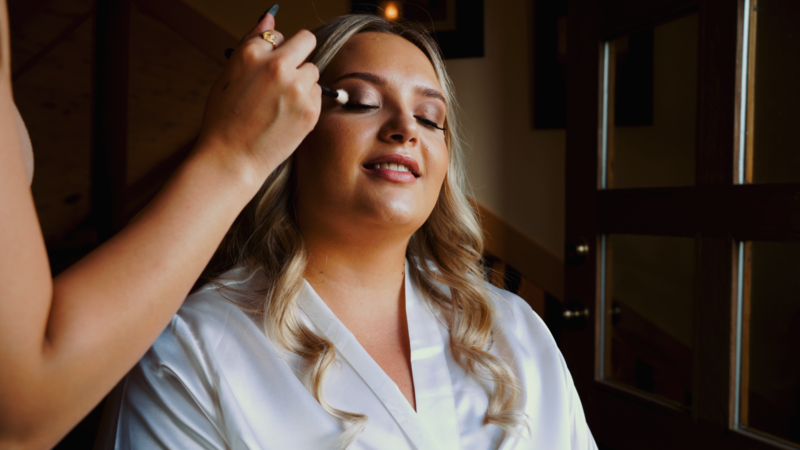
(397, 214)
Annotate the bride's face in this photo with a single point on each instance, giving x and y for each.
(393, 118)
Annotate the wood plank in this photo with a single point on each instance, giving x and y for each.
(663, 211)
(32, 60)
(110, 116)
(583, 144)
(195, 27)
(142, 191)
(734, 209)
(718, 66)
(534, 296)
(751, 92)
(533, 261)
(37, 26)
(170, 79)
(620, 17)
(712, 318)
(506, 277)
(631, 422)
(54, 99)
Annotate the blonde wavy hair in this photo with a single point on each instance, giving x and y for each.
(445, 251)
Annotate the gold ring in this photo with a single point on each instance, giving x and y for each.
(271, 38)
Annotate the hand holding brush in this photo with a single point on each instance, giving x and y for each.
(267, 99)
(80, 333)
(272, 37)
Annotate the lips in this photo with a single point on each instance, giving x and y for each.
(394, 167)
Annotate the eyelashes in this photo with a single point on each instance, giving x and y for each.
(358, 106)
(362, 107)
(429, 123)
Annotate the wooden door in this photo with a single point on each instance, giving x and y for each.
(683, 191)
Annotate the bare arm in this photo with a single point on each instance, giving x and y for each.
(65, 343)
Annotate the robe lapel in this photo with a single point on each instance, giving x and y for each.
(381, 385)
(432, 385)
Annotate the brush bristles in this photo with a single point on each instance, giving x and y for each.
(342, 98)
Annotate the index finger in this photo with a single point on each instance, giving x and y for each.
(266, 23)
(299, 47)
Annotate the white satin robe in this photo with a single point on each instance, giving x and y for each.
(213, 380)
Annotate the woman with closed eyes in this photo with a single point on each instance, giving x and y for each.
(347, 306)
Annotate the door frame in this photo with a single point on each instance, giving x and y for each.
(716, 212)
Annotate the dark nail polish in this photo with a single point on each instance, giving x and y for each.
(228, 53)
(273, 10)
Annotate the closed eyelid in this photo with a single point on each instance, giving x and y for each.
(363, 94)
(431, 123)
(432, 112)
(377, 80)
(366, 93)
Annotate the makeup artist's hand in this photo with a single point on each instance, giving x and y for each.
(264, 104)
(66, 342)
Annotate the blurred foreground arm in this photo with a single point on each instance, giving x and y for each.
(65, 343)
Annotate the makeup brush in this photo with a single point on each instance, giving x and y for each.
(340, 95)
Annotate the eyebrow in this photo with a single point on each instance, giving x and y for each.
(380, 81)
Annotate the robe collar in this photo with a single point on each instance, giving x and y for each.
(434, 424)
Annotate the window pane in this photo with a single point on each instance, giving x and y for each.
(648, 292)
(652, 97)
(770, 336)
(773, 106)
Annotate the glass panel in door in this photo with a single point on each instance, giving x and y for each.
(773, 90)
(647, 331)
(650, 84)
(769, 340)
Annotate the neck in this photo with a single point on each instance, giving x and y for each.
(357, 279)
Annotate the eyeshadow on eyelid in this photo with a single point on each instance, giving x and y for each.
(362, 96)
(433, 113)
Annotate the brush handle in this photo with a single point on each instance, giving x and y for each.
(329, 92)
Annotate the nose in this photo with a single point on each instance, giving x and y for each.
(402, 129)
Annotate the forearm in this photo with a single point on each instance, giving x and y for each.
(65, 343)
(109, 308)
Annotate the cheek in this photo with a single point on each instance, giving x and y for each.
(338, 138)
(328, 158)
(440, 158)
(319, 148)
(438, 161)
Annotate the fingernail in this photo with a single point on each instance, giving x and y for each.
(273, 11)
(228, 53)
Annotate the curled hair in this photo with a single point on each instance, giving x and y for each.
(445, 253)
